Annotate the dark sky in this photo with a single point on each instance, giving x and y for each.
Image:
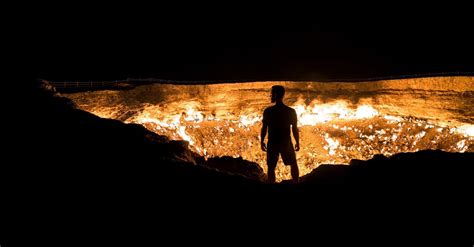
(89, 43)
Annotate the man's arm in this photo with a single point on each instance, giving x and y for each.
(263, 133)
(294, 128)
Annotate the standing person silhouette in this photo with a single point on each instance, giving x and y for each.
(278, 119)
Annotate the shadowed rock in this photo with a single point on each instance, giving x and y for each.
(237, 166)
(76, 169)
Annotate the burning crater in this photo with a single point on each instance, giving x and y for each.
(337, 121)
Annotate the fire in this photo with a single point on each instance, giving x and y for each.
(365, 111)
(182, 133)
(330, 133)
(192, 115)
(321, 113)
(331, 146)
(467, 130)
(246, 121)
(337, 121)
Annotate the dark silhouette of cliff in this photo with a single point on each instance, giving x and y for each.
(73, 170)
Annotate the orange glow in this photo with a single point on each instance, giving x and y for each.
(332, 133)
(225, 119)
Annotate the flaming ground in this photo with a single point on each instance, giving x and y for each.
(337, 121)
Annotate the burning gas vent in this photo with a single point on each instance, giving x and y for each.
(337, 121)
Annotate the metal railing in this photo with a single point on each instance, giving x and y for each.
(89, 84)
(130, 82)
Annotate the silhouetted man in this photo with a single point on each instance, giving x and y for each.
(278, 119)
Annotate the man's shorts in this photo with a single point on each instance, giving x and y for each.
(287, 152)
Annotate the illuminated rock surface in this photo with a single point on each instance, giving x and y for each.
(337, 121)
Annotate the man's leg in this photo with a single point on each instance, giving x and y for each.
(295, 172)
(289, 158)
(272, 160)
(271, 174)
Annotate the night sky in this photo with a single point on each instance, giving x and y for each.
(235, 42)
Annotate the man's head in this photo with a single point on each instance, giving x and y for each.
(277, 93)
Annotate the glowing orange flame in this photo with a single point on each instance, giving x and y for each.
(331, 133)
(321, 113)
(390, 116)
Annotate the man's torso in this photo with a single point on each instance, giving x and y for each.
(279, 119)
